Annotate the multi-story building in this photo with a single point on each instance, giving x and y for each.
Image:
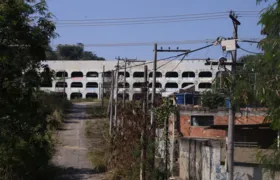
(83, 79)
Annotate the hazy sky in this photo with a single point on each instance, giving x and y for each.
(189, 30)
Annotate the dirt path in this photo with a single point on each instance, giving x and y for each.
(72, 151)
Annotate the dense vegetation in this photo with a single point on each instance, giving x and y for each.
(71, 52)
(27, 116)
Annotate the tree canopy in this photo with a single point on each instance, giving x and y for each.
(71, 52)
(25, 141)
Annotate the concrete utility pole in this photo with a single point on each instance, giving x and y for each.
(103, 86)
(117, 90)
(231, 123)
(64, 84)
(153, 105)
(154, 83)
(124, 82)
(111, 101)
(143, 133)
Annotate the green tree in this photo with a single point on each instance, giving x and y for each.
(71, 52)
(25, 143)
(268, 86)
(51, 54)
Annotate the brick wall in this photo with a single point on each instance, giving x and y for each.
(195, 131)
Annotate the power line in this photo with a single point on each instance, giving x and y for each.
(249, 51)
(166, 63)
(141, 20)
(154, 17)
(248, 40)
(156, 21)
(136, 23)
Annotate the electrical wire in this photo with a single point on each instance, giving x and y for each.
(143, 21)
(249, 40)
(137, 23)
(249, 51)
(166, 63)
(154, 17)
(179, 62)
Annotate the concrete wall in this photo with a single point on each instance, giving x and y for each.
(195, 66)
(203, 159)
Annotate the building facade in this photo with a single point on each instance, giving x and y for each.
(83, 79)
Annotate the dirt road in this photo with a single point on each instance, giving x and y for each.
(72, 150)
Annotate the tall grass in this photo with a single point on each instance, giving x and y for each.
(97, 134)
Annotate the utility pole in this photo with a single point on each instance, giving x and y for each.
(154, 82)
(231, 123)
(111, 101)
(103, 86)
(116, 93)
(153, 124)
(64, 85)
(143, 133)
(124, 81)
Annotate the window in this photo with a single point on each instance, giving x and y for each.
(158, 74)
(61, 84)
(202, 120)
(138, 85)
(137, 96)
(91, 96)
(186, 84)
(61, 74)
(92, 74)
(91, 85)
(171, 75)
(171, 85)
(204, 85)
(138, 74)
(122, 74)
(205, 74)
(76, 85)
(188, 74)
(158, 85)
(121, 85)
(76, 96)
(76, 74)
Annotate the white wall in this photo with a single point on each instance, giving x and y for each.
(70, 66)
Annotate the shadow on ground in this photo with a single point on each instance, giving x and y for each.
(61, 173)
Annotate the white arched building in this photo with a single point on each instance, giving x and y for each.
(83, 78)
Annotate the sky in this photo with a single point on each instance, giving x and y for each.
(180, 31)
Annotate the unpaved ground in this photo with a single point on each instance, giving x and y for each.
(72, 152)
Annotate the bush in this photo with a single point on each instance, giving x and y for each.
(212, 100)
(26, 143)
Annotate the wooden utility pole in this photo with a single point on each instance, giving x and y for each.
(231, 123)
(124, 82)
(116, 92)
(103, 86)
(111, 101)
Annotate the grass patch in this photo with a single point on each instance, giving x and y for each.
(96, 132)
(96, 111)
